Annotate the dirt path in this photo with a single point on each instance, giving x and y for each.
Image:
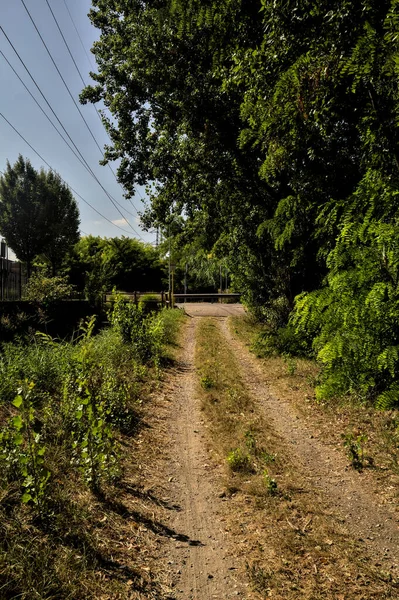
(190, 520)
(200, 558)
(345, 492)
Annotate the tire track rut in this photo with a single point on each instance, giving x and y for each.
(200, 559)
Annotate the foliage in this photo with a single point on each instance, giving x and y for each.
(45, 290)
(239, 461)
(267, 133)
(354, 445)
(38, 214)
(60, 453)
(144, 333)
(98, 265)
(21, 450)
(270, 483)
(149, 303)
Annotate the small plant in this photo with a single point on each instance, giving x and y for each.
(267, 457)
(238, 460)
(94, 447)
(354, 445)
(22, 451)
(290, 363)
(250, 441)
(271, 484)
(207, 382)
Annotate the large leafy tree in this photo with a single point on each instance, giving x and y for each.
(161, 75)
(38, 214)
(272, 127)
(61, 219)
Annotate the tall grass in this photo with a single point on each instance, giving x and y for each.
(64, 409)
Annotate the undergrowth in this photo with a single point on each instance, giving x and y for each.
(65, 408)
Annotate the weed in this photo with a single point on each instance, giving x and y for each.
(267, 457)
(271, 484)
(207, 382)
(238, 460)
(354, 445)
(22, 451)
(290, 363)
(250, 441)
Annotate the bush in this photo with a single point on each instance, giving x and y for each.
(144, 332)
(282, 341)
(46, 290)
(239, 461)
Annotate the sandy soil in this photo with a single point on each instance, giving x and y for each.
(200, 558)
(207, 309)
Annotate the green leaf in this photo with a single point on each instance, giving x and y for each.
(18, 440)
(18, 400)
(26, 497)
(17, 423)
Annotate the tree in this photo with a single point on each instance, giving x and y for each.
(38, 214)
(272, 129)
(97, 265)
(61, 218)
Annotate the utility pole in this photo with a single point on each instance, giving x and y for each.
(170, 269)
(185, 281)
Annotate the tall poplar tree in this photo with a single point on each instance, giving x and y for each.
(38, 214)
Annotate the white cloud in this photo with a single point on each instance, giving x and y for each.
(119, 222)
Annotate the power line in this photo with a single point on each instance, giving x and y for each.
(91, 64)
(51, 168)
(71, 55)
(82, 159)
(60, 74)
(51, 122)
(84, 84)
(77, 108)
(78, 34)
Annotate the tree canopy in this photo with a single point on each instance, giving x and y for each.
(97, 265)
(272, 128)
(38, 214)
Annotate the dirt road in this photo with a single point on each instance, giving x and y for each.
(199, 554)
(208, 309)
(201, 561)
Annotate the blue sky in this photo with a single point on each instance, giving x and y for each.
(20, 109)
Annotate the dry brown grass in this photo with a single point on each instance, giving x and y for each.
(336, 418)
(293, 548)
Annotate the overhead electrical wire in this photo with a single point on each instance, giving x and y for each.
(51, 122)
(92, 66)
(81, 78)
(82, 159)
(78, 34)
(54, 171)
(77, 108)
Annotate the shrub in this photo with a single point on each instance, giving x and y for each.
(45, 290)
(149, 303)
